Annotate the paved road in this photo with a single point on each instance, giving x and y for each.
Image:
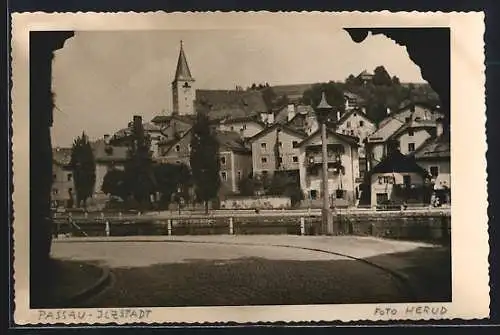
(242, 270)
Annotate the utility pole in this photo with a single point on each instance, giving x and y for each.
(322, 111)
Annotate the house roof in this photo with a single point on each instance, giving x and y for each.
(412, 125)
(345, 138)
(232, 141)
(283, 127)
(61, 156)
(108, 153)
(248, 118)
(437, 147)
(397, 162)
(182, 71)
(189, 119)
(230, 103)
(346, 115)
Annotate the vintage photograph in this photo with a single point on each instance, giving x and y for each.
(259, 166)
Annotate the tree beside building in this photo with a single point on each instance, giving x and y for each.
(83, 167)
(204, 160)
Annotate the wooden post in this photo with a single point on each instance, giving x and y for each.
(169, 227)
(231, 227)
(302, 226)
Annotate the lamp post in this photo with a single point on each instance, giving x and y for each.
(322, 111)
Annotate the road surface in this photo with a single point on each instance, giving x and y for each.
(245, 270)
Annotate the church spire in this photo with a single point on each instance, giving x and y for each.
(182, 72)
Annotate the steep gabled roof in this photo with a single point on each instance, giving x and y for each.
(182, 71)
(437, 147)
(220, 104)
(282, 127)
(397, 162)
(351, 140)
(407, 126)
(358, 111)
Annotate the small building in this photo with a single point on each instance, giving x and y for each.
(343, 168)
(62, 194)
(434, 156)
(107, 157)
(276, 148)
(398, 179)
(398, 130)
(235, 157)
(246, 126)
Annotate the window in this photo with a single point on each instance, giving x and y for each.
(407, 180)
(55, 191)
(244, 127)
(239, 175)
(295, 144)
(411, 147)
(280, 144)
(280, 160)
(190, 147)
(407, 119)
(263, 160)
(232, 128)
(263, 146)
(54, 176)
(264, 173)
(361, 123)
(434, 171)
(177, 162)
(348, 124)
(70, 176)
(295, 159)
(352, 132)
(410, 132)
(223, 175)
(313, 194)
(177, 148)
(339, 194)
(223, 160)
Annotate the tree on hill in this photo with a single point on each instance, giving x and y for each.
(381, 77)
(83, 167)
(139, 165)
(204, 160)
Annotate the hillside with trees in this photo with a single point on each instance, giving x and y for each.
(382, 92)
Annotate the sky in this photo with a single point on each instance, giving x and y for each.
(102, 79)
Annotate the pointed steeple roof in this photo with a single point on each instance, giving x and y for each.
(182, 72)
(323, 103)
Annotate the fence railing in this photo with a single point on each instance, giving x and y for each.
(411, 226)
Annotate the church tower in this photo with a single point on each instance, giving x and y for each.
(183, 92)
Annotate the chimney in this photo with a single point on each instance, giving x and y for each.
(439, 127)
(106, 138)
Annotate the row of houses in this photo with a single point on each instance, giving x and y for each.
(368, 163)
(252, 147)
